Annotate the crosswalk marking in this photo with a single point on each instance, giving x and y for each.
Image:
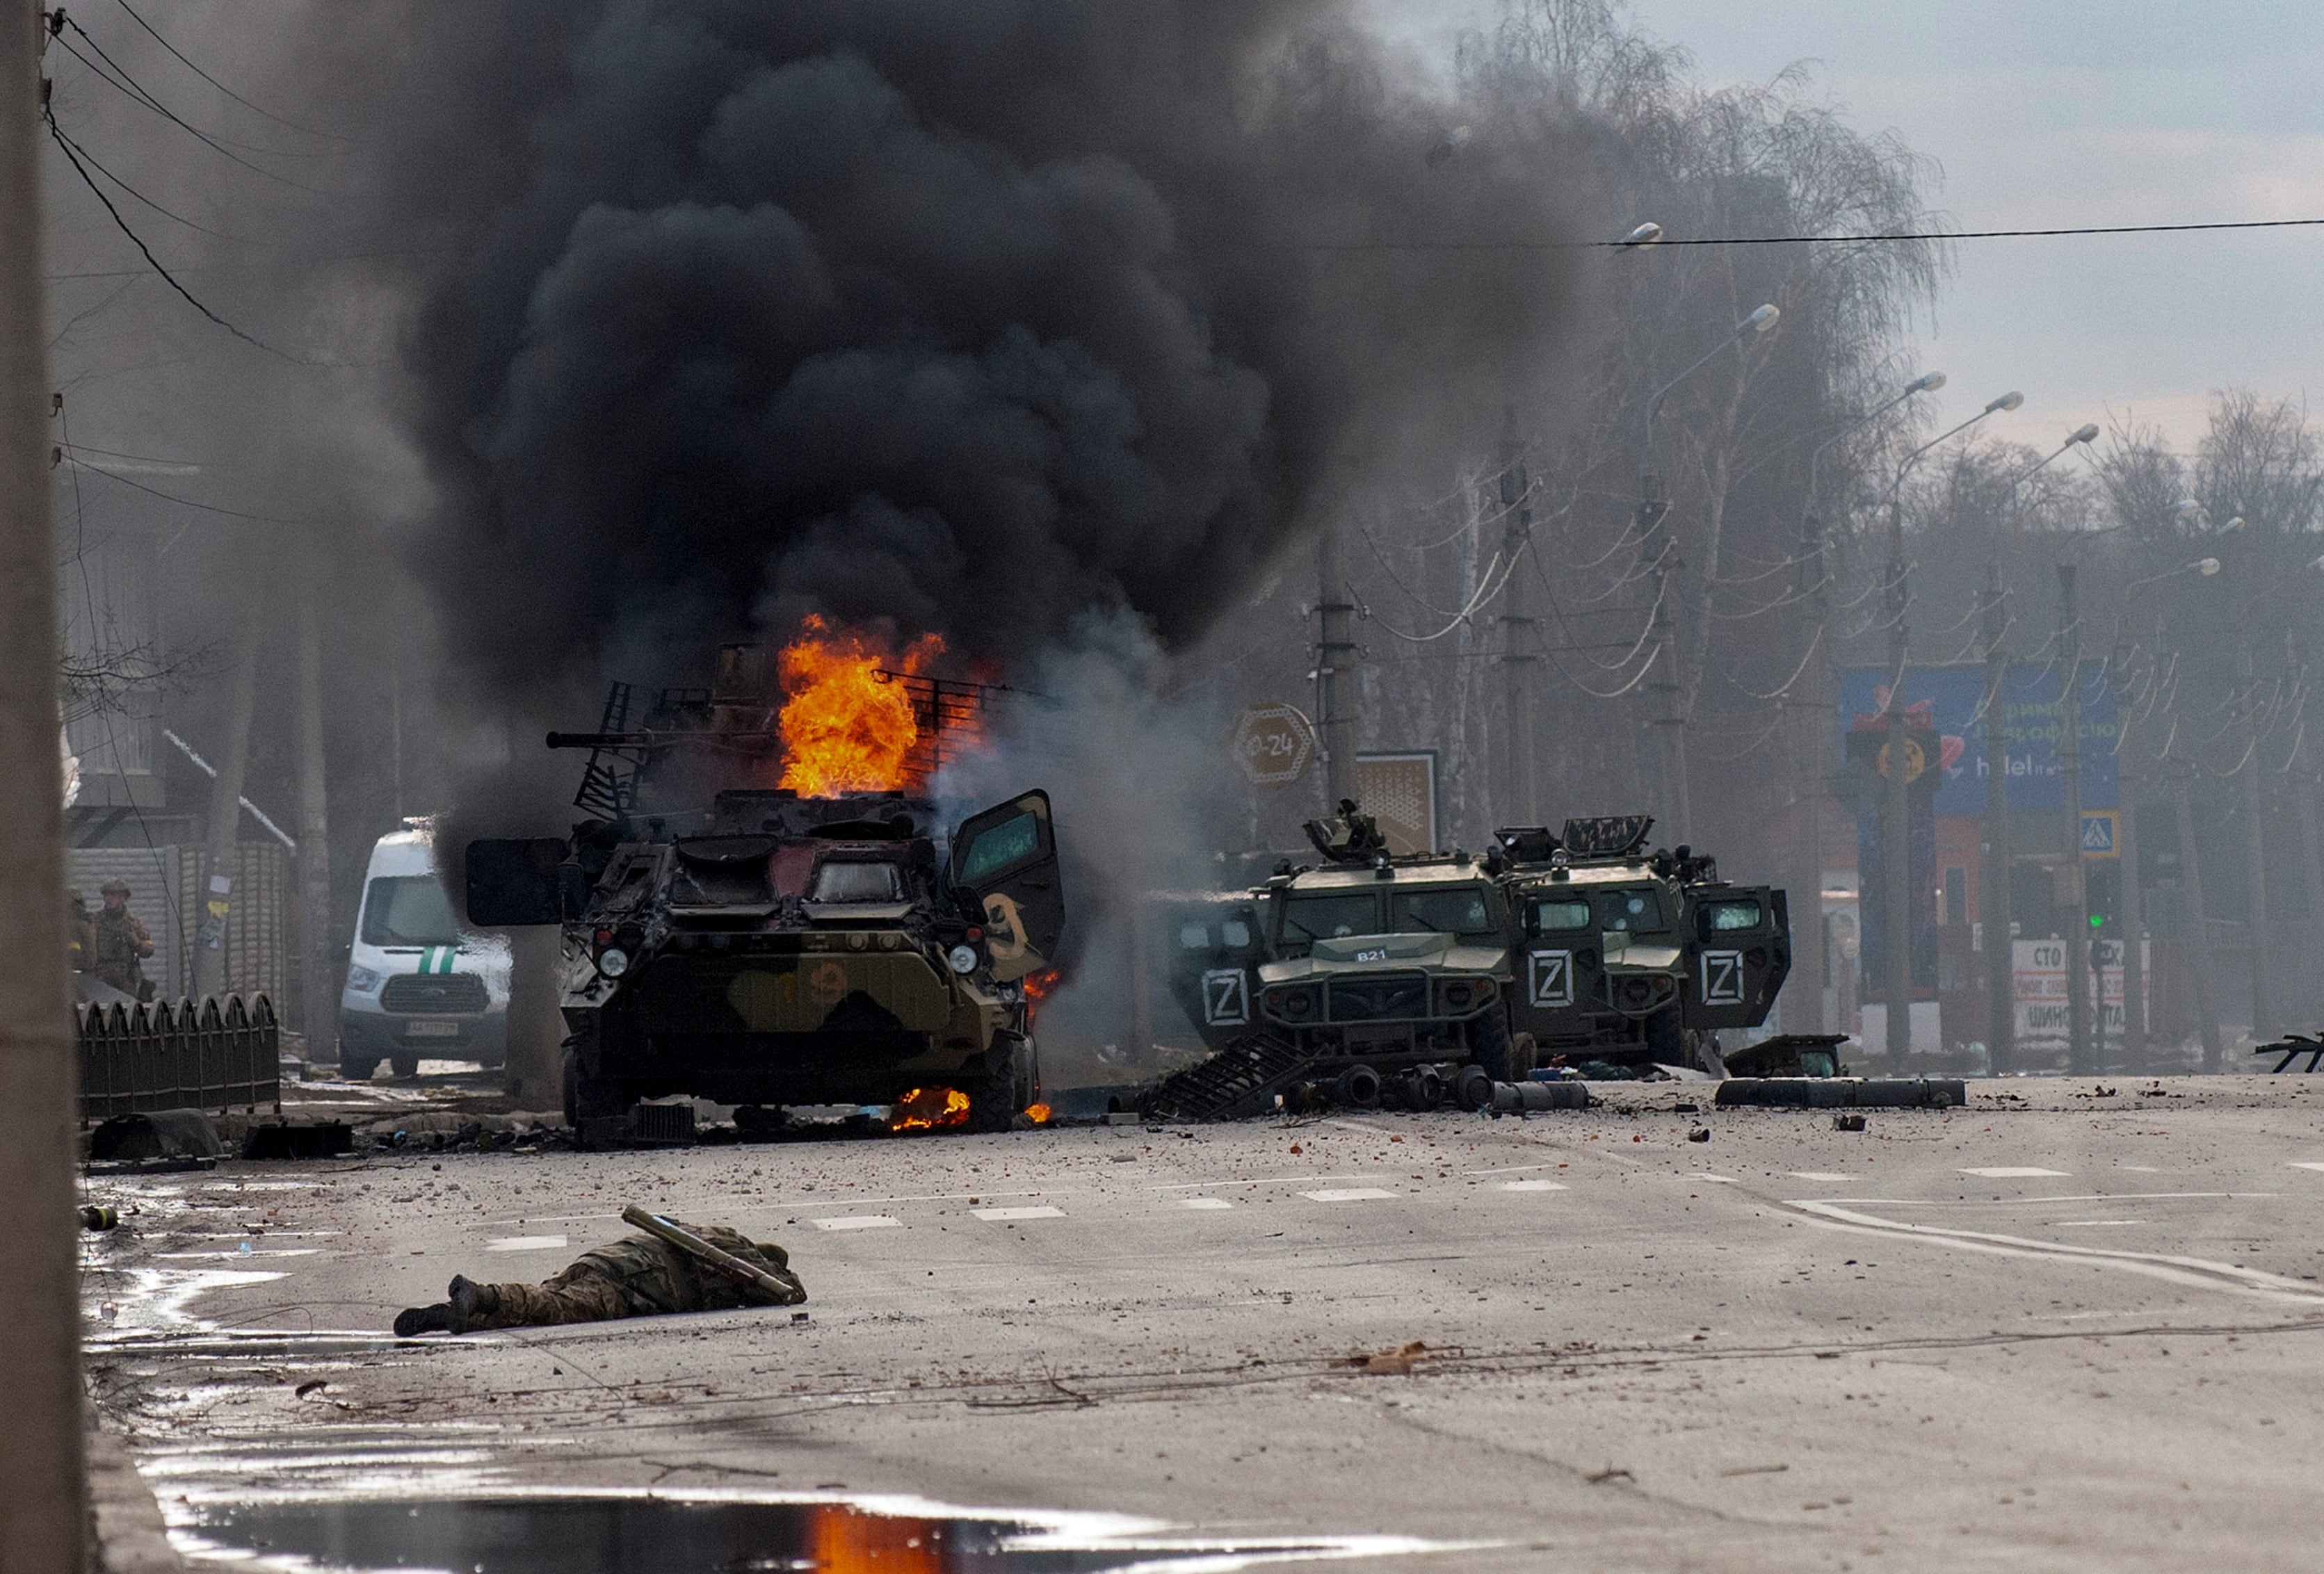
(1206, 1204)
(859, 1222)
(2012, 1173)
(1001, 1215)
(525, 1243)
(1347, 1194)
(1818, 1175)
(2306, 1164)
(1533, 1185)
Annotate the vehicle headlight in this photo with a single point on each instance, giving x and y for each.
(613, 962)
(962, 958)
(363, 980)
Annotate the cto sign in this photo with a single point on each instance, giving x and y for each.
(1274, 744)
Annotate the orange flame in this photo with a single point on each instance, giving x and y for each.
(928, 1110)
(844, 730)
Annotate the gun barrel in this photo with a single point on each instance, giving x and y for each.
(694, 1246)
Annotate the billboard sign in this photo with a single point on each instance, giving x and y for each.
(2033, 724)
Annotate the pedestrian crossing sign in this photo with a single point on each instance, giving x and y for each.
(2097, 833)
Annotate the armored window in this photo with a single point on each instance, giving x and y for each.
(1193, 936)
(1549, 916)
(1724, 915)
(1311, 919)
(856, 882)
(1630, 910)
(409, 909)
(1235, 933)
(994, 849)
(1462, 910)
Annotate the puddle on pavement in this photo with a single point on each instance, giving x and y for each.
(638, 1534)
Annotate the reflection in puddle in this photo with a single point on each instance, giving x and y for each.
(601, 1534)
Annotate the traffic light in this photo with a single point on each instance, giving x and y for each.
(2097, 920)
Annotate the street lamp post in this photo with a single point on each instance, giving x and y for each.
(1896, 842)
(1654, 553)
(1993, 916)
(1810, 965)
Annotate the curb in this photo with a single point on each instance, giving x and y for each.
(126, 1534)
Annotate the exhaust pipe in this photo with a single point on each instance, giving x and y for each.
(1533, 1098)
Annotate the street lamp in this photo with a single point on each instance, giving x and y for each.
(1759, 322)
(1644, 235)
(1897, 866)
(1817, 712)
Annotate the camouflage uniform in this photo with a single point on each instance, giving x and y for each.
(638, 1276)
(80, 930)
(119, 940)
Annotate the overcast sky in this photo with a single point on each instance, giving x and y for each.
(2068, 112)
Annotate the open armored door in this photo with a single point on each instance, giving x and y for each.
(1739, 955)
(1004, 866)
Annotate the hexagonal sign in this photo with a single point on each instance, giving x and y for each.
(1274, 743)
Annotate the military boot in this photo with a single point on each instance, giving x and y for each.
(472, 1302)
(414, 1321)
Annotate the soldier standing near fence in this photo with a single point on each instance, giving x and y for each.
(119, 942)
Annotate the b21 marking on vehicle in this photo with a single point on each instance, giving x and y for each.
(1379, 955)
(1226, 997)
(1722, 978)
(1549, 978)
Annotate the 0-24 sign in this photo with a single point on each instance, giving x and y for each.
(1274, 743)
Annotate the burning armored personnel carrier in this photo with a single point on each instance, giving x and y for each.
(760, 946)
(1416, 977)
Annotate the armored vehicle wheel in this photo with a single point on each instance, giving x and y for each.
(357, 1068)
(407, 1066)
(1358, 1088)
(1525, 1055)
(1494, 1052)
(1007, 1074)
(589, 1098)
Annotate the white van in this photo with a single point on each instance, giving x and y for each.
(417, 986)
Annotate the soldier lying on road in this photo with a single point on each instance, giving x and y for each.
(638, 1276)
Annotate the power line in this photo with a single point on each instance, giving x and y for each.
(122, 82)
(1889, 236)
(213, 81)
(72, 157)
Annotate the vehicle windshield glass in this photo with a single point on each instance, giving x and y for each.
(1327, 918)
(994, 849)
(1627, 911)
(408, 909)
(1560, 915)
(1734, 916)
(855, 882)
(1462, 910)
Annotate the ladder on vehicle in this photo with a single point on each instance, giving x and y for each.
(1232, 1085)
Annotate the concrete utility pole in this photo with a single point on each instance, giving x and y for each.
(2300, 777)
(1517, 658)
(2080, 1058)
(1663, 771)
(1896, 822)
(2128, 740)
(318, 969)
(1993, 902)
(1810, 944)
(2190, 869)
(42, 1514)
(2255, 850)
(1335, 657)
(226, 810)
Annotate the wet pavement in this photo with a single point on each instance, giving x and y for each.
(2056, 1329)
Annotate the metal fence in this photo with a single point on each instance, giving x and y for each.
(194, 1054)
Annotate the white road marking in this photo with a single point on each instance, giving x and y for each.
(2198, 1273)
(1250, 1181)
(2093, 1223)
(295, 1251)
(1348, 1195)
(2013, 1173)
(1533, 1185)
(1818, 1175)
(2305, 1165)
(1706, 1175)
(1002, 1215)
(1508, 1169)
(859, 1221)
(2140, 1169)
(525, 1243)
(1207, 1204)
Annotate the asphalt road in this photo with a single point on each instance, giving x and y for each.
(2049, 1330)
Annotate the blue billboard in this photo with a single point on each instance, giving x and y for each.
(1951, 699)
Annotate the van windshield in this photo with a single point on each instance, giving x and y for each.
(408, 909)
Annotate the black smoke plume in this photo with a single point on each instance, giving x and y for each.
(970, 315)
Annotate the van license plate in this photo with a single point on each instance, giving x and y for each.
(432, 1030)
